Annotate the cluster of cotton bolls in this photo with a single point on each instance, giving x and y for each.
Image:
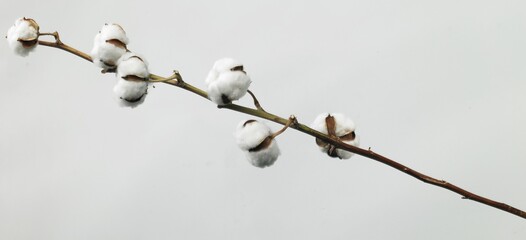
(255, 139)
(22, 37)
(227, 81)
(110, 52)
(339, 126)
(261, 149)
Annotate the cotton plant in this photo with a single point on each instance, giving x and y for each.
(22, 37)
(226, 82)
(339, 126)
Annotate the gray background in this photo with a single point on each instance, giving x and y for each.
(436, 85)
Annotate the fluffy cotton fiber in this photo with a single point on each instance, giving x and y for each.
(132, 65)
(114, 31)
(132, 85)
(344, 129)
(130, 93)
(265, 157)
(23, 36)
(253, 137)
(109, 45)
(227, 81)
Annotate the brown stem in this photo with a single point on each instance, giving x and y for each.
(424, 178)
(292, 120)
(66, 48)
(259, 112)
(256, 102)
(155, 78)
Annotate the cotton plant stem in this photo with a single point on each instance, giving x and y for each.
(58, 44)
(259, 112)
(256, 102)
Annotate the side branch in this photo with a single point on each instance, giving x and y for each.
(256, 102)
(58, 44)
(259, 112)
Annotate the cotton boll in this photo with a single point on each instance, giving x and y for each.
(130, 93)
(108, 46)
(227, 81)
(343, 128)
(255, 139)
(22, 37)
(251, 133)
(228, 87)
(106, 54)
(132, 86)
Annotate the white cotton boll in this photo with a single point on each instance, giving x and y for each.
(265, 157)
(23, 36)
(227, 81)
(253, 137)
(108, 46)
(131, 64)
(251, 133)
(132, 86)
(130, 93)
(106, 54)
(228, 87)
(344, 129)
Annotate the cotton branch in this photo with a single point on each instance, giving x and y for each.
(176, 80)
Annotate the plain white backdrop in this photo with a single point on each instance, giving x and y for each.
(436, 85)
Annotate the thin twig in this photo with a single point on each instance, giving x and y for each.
(156, 78)
(256, 102)
(292, 120)
(259, 112)
(60, 45)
